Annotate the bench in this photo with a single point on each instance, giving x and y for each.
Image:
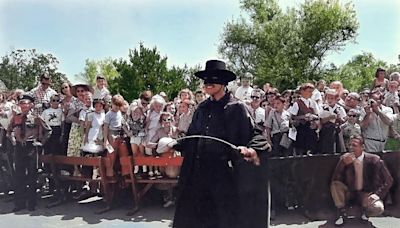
(141, 186)
(57, 163)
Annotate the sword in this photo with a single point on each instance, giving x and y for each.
(234, 147)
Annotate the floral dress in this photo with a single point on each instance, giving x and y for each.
(76, 134)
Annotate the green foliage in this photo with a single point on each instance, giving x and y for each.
(287, 48)
(146, 69)
(358, 73)
(394, 67)
(22, 68)
(105, 67)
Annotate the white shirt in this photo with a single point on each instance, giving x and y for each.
(100, 93)
(276, 126)
(41, 96)
(184, 121)
(5, 117)
(317, 97)
(359, 172)
(309, 104)
(328, 110)
(53, 117)
(83, 113)
(114, 120)
(243, 93)
(258, 114)
(391, 99)
(376, 128)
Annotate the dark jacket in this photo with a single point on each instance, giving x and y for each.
(211, 192)
(376, 176)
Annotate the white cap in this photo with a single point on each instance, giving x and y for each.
(330, 92)
(163, 144)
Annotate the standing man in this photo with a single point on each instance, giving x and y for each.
(28, 129)
(42, 94)
(360, 177)
(352, 101)
(257, 112)
(218, 187)
(375, 123)
(100, 91)
(243, 93)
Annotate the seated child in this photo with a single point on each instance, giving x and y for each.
(164, 149)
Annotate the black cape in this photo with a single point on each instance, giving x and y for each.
(218, 188)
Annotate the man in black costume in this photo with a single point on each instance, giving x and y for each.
(218, 187)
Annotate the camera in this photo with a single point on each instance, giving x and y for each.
(371, 101)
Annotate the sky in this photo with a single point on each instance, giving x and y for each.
(188, 32)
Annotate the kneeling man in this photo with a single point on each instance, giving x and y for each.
(361, 178)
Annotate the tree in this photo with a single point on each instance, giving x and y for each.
(105, 67)
(146, 69)
(394, 67)
(22, 68)
(287, 48)
(358, 73)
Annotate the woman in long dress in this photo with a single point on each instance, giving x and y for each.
(74, 115)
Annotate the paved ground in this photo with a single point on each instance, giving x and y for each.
(73, 214)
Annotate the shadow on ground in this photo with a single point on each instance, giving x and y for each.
(324, 218)
(85, 209)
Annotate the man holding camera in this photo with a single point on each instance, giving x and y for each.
(375, 123)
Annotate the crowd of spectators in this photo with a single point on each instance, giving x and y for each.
(311, 119)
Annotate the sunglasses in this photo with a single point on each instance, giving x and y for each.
(24, 102)
(55, 100)
(353, 98)
(254, 97)
(352, 115)
(167, 120)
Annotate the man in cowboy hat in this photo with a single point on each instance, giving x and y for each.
(217, 187)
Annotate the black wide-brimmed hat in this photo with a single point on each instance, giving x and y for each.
(216, 73)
